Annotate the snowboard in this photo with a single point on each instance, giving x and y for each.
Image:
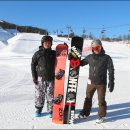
(75, 59)
(58, 102)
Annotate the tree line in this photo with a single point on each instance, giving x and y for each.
(28, 29)
(102, 37)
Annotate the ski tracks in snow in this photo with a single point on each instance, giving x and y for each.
(17, 101)
(12, 78)
(16, 93)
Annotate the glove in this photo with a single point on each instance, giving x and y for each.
(111, 86)
(69, 56)
(72, 55)
(35, 80)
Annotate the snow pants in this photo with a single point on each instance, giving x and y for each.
(42, 90)
(101, 92)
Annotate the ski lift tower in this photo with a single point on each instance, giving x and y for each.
(103, 34)
(129, 36)
(69, 30)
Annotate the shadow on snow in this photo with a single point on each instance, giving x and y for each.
(118, 112)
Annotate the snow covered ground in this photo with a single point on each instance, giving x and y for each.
(17, 88)
(6, 34)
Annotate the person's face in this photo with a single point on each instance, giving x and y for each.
(47, 44)
(96, 49)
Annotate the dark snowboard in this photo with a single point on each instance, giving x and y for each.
(75, 59)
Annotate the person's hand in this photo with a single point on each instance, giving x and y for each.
(69, 56)
(111, 86)
(35, 80)
(72, 55)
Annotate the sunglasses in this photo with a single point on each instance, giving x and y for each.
(96, 48)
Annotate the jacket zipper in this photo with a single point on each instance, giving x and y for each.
(94, 69)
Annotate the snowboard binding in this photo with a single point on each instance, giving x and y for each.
(58, 99)
(71, 96)
(60, 74)
(73, 72)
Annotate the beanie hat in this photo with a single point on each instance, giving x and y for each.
(96, 42)
(46, 38)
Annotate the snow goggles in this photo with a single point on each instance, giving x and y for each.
(96, 48)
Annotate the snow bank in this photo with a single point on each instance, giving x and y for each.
(5, 35)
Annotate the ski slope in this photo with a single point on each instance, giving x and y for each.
(17, 89)
(5, 35)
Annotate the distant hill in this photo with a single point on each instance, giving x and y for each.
(28, 29)
(6, 34)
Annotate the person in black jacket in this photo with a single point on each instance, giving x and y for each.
(43, 73)
(99, 64)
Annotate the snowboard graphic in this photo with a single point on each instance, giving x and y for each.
(75, 58)
(58, 103)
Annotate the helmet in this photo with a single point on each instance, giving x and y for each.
(96, 42)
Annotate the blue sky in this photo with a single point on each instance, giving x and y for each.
(114, 16)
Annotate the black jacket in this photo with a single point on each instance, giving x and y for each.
(43, 64)
(99, 64)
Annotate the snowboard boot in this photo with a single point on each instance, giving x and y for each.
(100, 120)
(50, 114)
(82, 115)
(38, 112)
